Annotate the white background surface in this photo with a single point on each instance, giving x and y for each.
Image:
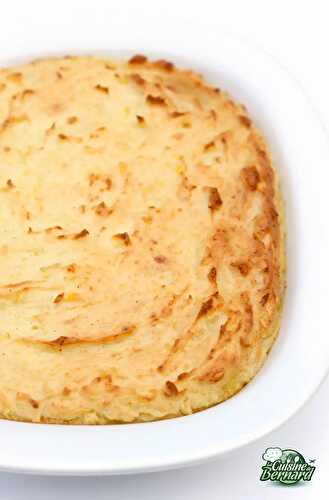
(297, 34)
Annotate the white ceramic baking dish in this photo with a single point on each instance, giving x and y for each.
(300, 358)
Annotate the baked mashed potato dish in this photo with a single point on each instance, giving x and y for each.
(141, 241)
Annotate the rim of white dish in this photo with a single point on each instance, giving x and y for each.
(299, 361)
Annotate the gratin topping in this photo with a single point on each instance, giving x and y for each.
(140, 242)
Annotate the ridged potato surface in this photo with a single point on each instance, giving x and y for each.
(141, 269)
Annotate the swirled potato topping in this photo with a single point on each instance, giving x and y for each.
(141, 242)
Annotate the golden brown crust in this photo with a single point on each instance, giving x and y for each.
(142, 269)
